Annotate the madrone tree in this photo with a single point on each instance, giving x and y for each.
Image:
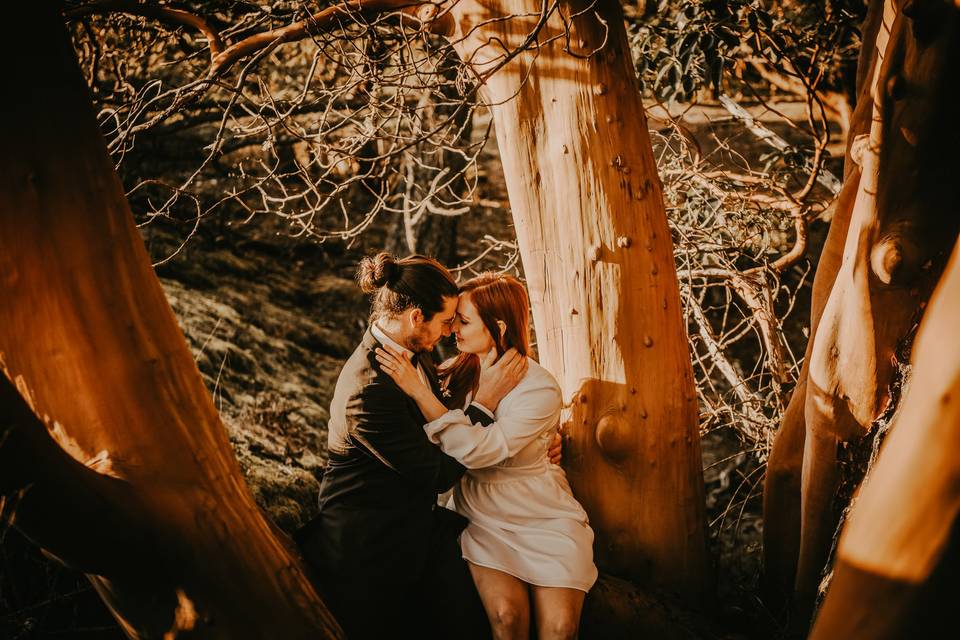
(111, 443)
(896, 580)
(894, 225)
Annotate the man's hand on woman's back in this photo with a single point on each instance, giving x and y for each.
(555, 452)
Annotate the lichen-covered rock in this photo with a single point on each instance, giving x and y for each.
(269, 340)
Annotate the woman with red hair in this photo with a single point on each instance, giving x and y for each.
(528, 543)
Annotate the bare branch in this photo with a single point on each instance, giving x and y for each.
(165, 14)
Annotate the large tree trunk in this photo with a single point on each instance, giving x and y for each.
(597, 254)
(897, 560)
(124, 468)
(781, 491)
(899, 231)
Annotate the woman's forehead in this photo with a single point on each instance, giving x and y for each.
(465, 305)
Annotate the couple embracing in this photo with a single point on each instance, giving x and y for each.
(514, 546)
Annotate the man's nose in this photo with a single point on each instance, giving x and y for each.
(447, 330)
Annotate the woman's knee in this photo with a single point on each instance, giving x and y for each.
(561, 626)
(508, 614)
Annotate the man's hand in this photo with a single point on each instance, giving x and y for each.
(497, 379)
(555, 452)
(398, 366)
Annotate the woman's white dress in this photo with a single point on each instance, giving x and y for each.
(524, 519)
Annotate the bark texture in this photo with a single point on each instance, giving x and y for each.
(899, 230)
(597, 253)
(781, 493)
(892, 580)
(123, 467)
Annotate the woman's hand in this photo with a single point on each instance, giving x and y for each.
(497, 379)
(401, 370)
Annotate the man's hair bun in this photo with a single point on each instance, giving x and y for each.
(379, 271)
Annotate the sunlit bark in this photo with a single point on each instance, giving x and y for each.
(900, 228)
(781, 493)
(597, 253)
(124, 468)
(904, 520)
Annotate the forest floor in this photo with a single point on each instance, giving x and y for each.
(270, 320)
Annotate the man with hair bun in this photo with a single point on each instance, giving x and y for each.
(387, 555)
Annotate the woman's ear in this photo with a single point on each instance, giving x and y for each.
(503, 328)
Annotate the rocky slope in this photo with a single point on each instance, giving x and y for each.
(269, 325)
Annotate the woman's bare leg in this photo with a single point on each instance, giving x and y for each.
(557, 611)
(506, 600)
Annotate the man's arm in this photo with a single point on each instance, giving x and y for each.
(479, 415)
(382, 424)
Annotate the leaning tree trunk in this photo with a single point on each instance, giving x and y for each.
(781, 491)
(110, 440)
(597, 253)
(892, 578)
(901, 227)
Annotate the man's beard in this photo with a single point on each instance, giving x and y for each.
(418, 342)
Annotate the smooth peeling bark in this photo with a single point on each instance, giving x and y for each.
(52, 492)
(88, 339)
(782, 487)
(781, 491)
(902, 224)
(597, 253)
(902, 529)
(781, 504)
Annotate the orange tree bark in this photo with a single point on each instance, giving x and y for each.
(781, 492)
(597, 253)
(123, 467)
(900, 544)
(899, 231)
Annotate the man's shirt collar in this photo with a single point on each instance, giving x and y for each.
(384, 339)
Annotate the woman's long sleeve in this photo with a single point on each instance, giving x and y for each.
(528, 412)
